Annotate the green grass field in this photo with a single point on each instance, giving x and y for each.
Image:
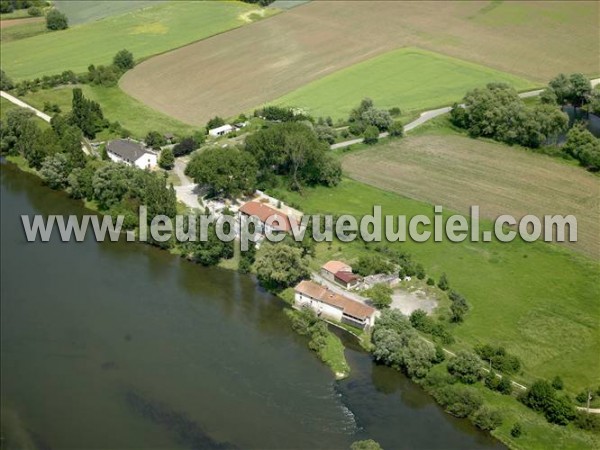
(409, 78)
(145, 32)
(82, 11)
(23, 31)
(116, 105)
(538, 300)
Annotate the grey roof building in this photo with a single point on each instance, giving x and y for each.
(126, 149)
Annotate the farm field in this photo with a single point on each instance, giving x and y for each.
(251, 66)
(13, 30)
(116, 106)
(145, 32)
(82, 11)
(538, 300)
(456, 172)
(409, 78)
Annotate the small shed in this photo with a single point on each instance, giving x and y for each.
(221, 131)
(348, 280)
(330, 268)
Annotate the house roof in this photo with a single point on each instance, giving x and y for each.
(127, 149)
(324, 295)
(264, 212)
(336, 266)
(225, 128)
(346, 277)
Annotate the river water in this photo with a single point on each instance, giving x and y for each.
(123, 346)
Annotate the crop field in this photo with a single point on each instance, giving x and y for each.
(116, 106)
(538, 300)
(457, 172)
(144, 32)
(251, 66)
(82, 11)
(411, 79)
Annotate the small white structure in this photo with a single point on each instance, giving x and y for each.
(132, 153)
(332, 305)
(221, 131)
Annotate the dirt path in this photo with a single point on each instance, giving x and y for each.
(13, 22)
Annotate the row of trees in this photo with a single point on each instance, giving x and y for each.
(498, 112)
(100, 75)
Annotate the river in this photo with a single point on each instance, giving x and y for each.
(123, 346)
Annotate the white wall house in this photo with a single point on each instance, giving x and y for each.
(333, 306)
(221, 131)
(132, 153)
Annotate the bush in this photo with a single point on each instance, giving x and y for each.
(542, 397)
(185, 147)
(430, 282)
(167, 159)
(371, 135)
(466, 367)
(587, 421)
(124, 60)
(397, 129)
(380, 295)
(516, 430)
(499, 358)
(34, 11)
(55, 20)
(460, 401)
(487, 419)
(443, 283)
(557, 383)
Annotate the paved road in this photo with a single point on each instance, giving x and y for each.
(432, 114)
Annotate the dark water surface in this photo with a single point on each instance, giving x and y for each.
(123, 346)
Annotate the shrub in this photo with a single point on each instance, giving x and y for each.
(587, 421)
(557, 383)
(397, 129)
(371, 135)
(55, 20)
(466, 367)
(395, 111)
(124, 60)
(380, 295)
(166, 160)
(34, 11)
(430, 282)
(499, 358)
(460, 401)
(516, 430)
(487, 419)
(443, 283)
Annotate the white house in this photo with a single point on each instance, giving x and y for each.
(333, 306)
(132, 153)
(221, 131)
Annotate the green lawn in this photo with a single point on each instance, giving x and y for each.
(82, 11)
(409, 78)
(538, 300)
(22, 31)
(116, 105)
(144, 32)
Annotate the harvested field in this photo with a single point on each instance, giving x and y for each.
(250, 66)
(457, 172)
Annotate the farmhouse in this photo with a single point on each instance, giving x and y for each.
(132, 153)
(341, 273)
(348, 280)
(333, 306)
(221, 131)
(270, 218)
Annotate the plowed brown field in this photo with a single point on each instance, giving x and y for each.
(241, 69)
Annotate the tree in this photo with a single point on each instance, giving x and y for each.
(167, 159)
(55, 171)
(211, 251)
(280, 266)
(123, 60)
(380, 295)
(460, 401)
(368, 444)
(466, 367)
(215, 122)
(372, 264)
(55, 20)
(6, 82)
(583, 146)
(185, 147)
(86, 115)
(397, 129)
(110, 184)
(70, 142)
(155, 140)
(581, 90)
(443, 283)
(225, 172)
(371, 135)
(487, 419)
